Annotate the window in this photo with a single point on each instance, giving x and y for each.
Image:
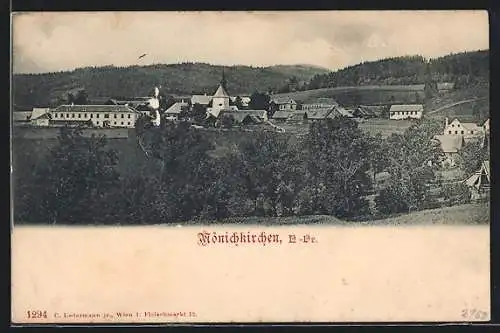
(86, 115)
(458, 125)
(91, 115)
(471, 132)
(55, 116)
(67, 115)
(123, 115)
(97, 116)
(449, 132)
(122, 123)
(116, 115)
(72, 115)
(97, 122)
(456, 132)
(452, 125)
(462, 132)
(79, 115)
(129, 116)
(106, 115)
(114, 123)
(61, 115)
(128, 123)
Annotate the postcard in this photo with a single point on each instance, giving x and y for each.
(250, 167)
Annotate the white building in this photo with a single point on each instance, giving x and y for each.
(467, 130)
(406, 111)
(284, 103)
(96, 115)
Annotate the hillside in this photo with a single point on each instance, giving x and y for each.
(186, 78)
(462, 68)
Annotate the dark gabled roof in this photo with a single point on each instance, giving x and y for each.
(319, 113)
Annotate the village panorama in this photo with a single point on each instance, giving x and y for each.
(395, 141)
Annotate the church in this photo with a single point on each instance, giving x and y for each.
(220, 101)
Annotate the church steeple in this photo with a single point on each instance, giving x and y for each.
(223, 81)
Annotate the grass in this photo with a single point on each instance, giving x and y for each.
(384, 126)
(468, 214)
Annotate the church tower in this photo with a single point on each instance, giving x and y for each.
(220, 100)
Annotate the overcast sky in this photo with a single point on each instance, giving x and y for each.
(53, 41)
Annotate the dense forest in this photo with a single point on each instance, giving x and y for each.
(462, 69)
(331, 171)
(187, 78)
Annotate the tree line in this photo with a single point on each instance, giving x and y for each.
(330, 171)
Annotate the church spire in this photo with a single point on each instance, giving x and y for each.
(223, 80)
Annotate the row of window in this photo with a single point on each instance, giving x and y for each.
(86, 115)
(405, 113)
(461, 132)
(114, 123)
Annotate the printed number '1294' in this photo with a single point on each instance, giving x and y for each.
(36, 314)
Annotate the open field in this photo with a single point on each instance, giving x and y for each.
(385, 126)
(468, 214)
(369, 95)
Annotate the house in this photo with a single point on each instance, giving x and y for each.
(405, 111)
(479, 182)
(445, 86)
(307, 107)
(182, 98)
(451, 146)
(470, 131)
(319, 114)
(245, 100)
(284, 103)
(201, 99)
(40, 117)
(339, 111)
(486, 126)
(260, 115)
(282, 115)
(298, 116)
(96, 115)
(174, 111)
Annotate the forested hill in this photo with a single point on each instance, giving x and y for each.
(461, 68)
(186, 78)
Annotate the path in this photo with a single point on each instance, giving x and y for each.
(455, 104)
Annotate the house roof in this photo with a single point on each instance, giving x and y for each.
(176, 108)
(297, 115)
(95, 108)
(407, 107)
(450, 143)
(475, 179)
(339, 111)
(283, 100)
(221, 92)
(319, 113)
(255, 113)
(282, 114)
(38, 112)
(201, 99)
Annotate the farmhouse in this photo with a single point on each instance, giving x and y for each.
(174, 111)
(319, 114)
(307, 107)
(469, 131)
(405, 111)
(479, 182)
(297, 116)
(451, 146)
(284, 103)
(40, 117)
(95, 115)
(260, 115)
